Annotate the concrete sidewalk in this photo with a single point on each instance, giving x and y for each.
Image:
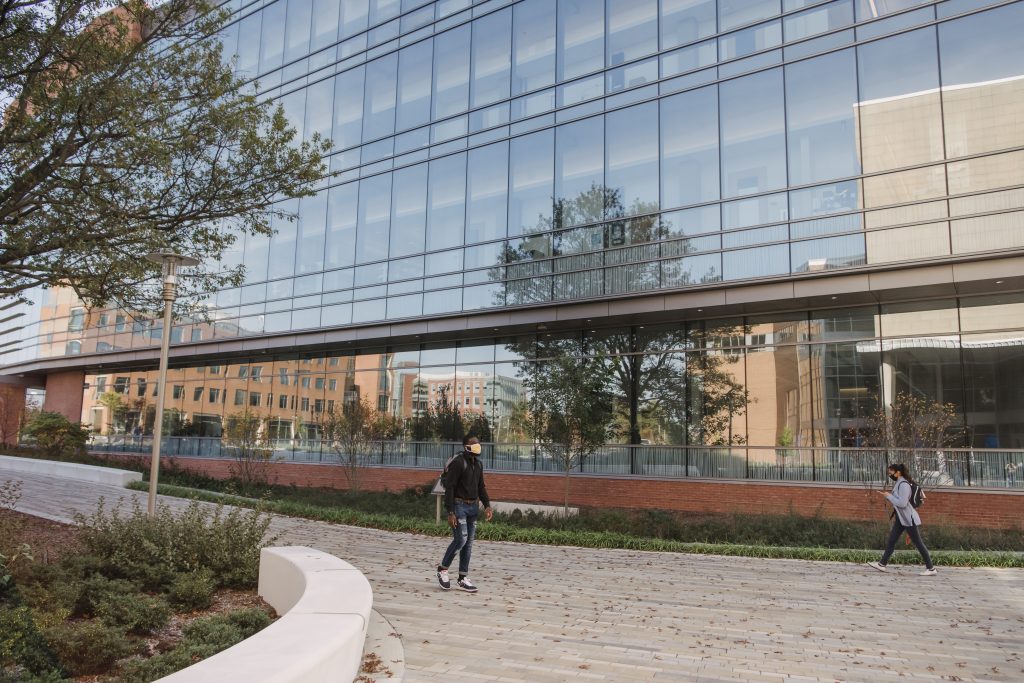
(566, 614)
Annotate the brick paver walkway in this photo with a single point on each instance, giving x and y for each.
(566, 614)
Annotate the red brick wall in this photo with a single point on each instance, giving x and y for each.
(978, 509)
(12, 404)
(64, 394)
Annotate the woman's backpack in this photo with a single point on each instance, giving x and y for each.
(916, 495)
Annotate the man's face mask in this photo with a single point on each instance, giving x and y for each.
(474, 448)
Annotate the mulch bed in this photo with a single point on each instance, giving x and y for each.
(51, 540)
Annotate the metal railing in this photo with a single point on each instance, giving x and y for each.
(948, 467)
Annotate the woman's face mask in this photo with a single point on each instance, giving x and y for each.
(474, 448)
(894, 477)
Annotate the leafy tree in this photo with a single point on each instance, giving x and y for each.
(125, 131)
(912, 425)
(480, 427)
(114, 404)
(353, 431)
(56, 434)
(443, 420)
(248, 442)
(571, 405)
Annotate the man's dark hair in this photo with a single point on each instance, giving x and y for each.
(467, 438)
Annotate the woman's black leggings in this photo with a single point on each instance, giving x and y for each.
(915, 536)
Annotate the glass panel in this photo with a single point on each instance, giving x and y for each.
(732, 13)
(492, 50)
(296, 42)
(870, 9)
(272, 42)
(342, 202)
(382, 10)
(354, 16)
(689, 58)
(531, 182)
(348, 108)
(533, 49)
(631, 148)
(579, 171)
(821, 96)
(767, 209)
(982, 60)
(753, 138)
(779, 405)
(818, 20)
(408, 210)
(414, 82)
(319, 109)
(987, 233)
(446, 202)
(632, 29)
(846, 389)
(683, 21)
(689, 148)
(451, 72)
(899, 109)
(374, 218)
(992, 367)
(379, 107)
(760, 262)
(488, 193)
(249, 45)
(749, 41)
(325, 23)
(834, 252)
(580, 37)
(904, 244)
(311, 234)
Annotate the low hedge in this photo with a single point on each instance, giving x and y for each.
(497, 531)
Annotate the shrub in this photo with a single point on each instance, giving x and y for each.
(134, 612)
(201, 639)
(95, 591)
(90, 647)
(193, 591)
(22, 645)
(154, 550)
(55, 434)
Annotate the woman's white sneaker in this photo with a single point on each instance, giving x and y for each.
(879, 566)
(928, 572)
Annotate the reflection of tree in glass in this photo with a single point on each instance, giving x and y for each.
(443, 420)
(592, 245)
(717, 397)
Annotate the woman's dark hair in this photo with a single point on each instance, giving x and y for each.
(902, 469)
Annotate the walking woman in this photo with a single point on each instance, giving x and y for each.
(905, 518)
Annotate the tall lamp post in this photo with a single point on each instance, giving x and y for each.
(170, 262)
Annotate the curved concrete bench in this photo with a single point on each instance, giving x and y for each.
(325, 605)
(70, 470)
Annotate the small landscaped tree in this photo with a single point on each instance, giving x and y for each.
(55, 434)
(249, 444)
(913, 426)
(572, 408)
(353, 431)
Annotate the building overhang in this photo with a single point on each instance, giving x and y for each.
(797, 292)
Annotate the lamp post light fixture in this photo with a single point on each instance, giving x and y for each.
(170, 263)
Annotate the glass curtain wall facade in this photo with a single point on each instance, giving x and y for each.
(499, 155)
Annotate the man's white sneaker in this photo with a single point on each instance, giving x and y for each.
(928, 572)
(879, 566)
(467, 585)
(444, 579)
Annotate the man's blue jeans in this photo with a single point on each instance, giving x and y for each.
(462, 536)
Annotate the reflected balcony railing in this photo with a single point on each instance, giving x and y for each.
(933, 468)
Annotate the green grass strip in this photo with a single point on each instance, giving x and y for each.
(496, 531)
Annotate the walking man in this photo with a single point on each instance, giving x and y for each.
(464, 490)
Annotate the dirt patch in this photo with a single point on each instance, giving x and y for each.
(49, 540)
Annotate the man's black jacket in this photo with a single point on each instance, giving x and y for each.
(465, 479)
